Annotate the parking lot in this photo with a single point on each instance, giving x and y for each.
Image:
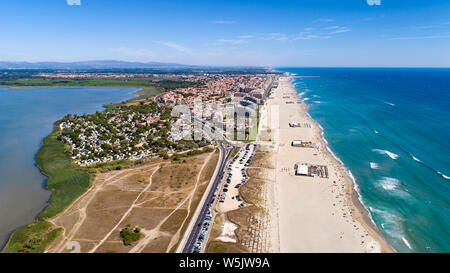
(235, 177)
(226, 197)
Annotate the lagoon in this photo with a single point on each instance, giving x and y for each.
(26, 117)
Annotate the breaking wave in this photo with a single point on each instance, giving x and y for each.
(429, 167)
(389, 103)
(374, 165)
(389, 183)
(386, 152)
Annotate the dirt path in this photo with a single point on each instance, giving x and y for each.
(176, 237)
(125, 215)
(82, 213)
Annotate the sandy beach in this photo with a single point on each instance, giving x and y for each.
(314, 214)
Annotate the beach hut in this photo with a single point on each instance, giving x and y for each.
(301, 169)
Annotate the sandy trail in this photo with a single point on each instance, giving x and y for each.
(133, 205)
(175, 239)
(91, 193)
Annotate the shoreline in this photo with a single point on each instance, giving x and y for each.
(40, 218)
(356, 198)
(323, 205)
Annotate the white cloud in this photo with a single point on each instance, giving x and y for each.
(223, 22)
(175, 46)
(332, 27)
(340, 30)
(73, 2)
(277, 36)
(305, 37)
(246, 36)
(231, 41)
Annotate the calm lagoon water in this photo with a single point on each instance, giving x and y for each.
(391, 128)
(26, 117)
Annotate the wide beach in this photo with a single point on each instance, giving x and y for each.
(315, 214)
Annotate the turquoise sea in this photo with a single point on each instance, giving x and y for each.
(391, 129)
(26, 117)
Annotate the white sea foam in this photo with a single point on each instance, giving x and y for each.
(376, 132)
(389, 183)
(316, 96)
(305, 99)
(386, 152)
(415, 158)
(438, 172)
(406, 243)
(389, 103)
(318, 102)
(390, 222)
(301, 94)
(443, 175)
(374, 165)
(347, 170)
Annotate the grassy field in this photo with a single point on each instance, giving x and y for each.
(65, 182)
(33, 238)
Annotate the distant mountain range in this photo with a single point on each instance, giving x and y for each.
(107, 64)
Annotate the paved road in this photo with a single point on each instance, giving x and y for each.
(191, 241)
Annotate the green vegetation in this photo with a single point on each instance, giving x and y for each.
(33, 238)
(182, 156)
(143, 180)
(65, 181)
(41, 82)
(129, 235)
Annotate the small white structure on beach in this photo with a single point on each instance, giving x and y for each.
(296, 143)
(301, 169)
(294, 124)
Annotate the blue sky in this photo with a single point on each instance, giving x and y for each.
(263, 33)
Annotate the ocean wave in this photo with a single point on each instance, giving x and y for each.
(316, 96)
(374, 165)
(346, 170)
(389, 183)
(376, 132)
(406, 243)
(305, 99)
(443, 175)
(318, 102)
(415, 158)
(386, 152)
(429, 167)
(301, 94)
(392, 224)
(389, 103)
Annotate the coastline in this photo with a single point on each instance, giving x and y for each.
(50, 144)
(309, 194)
(355, 197)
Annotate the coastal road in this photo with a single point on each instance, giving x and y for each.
(195, 232)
